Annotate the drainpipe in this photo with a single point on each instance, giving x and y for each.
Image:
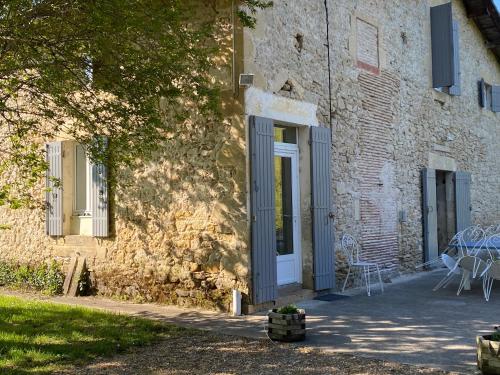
(329, 65)
(233, 67)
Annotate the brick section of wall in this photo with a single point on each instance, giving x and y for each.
(379, 235)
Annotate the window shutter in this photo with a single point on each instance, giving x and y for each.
(322, 223)
(463, 205)
(430, 214)
(456, 89)
(54, 198)
(100, 201)
(495, 98)
(443, 55)
(263, 207)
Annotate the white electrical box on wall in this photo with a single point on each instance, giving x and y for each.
(246, 80)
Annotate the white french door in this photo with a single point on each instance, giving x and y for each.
(286, 172)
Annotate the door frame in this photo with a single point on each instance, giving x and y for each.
(292, 151)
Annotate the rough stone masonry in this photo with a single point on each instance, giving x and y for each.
(181, 228)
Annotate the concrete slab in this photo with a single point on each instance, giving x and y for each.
(409, 323)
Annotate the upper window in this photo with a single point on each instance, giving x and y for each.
(285, 134)
(445, 50)
(489, 96)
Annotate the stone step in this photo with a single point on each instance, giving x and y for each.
(286, 296)
(70, 251)
(76, 240)
(295, 296)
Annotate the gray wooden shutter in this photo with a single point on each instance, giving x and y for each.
(463, 205)
(456, 89)
(100, 202)
(443, 66)
(495, 98)
(322, 223)
(431, 251)
(54, 198)
(262, 198)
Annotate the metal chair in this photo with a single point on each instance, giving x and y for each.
(492, 245)
(491, 230)
(452, 250)
(351, 250)
(451, 264)
(470, 235)
(470, 266)
(491, 274)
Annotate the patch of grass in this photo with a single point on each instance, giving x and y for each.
(40, 338)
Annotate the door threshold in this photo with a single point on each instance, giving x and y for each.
(287, 294)
(293, 293)
(287, 289)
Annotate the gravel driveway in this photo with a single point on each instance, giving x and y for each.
(205, 353)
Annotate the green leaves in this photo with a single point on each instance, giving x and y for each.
(248, 20)
(78, 69)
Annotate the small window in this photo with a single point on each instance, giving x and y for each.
(82, 201)
(489, 96)
(484, 94)
(285, 134)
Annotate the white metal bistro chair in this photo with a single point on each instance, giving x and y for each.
(351, 250)
(491, 230)
(492, 245)
(451, 264)
(471, 267)
(491, 274)
(451, 250)
(471, 235)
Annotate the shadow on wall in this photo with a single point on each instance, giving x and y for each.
(181, 222)
(180, 219)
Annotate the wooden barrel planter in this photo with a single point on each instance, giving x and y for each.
(286, 327)
(488, 355)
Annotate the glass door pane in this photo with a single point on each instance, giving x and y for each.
(284, 205)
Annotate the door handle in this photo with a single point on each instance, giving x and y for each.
(331, 215)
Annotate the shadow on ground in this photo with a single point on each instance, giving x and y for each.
(409, 323)
(204, 353)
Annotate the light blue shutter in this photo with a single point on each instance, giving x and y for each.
(262, 197)
(100, 202)
(495, 98)
(322, 223)
(443, 55)
(463, 205)
(54, 201)
(456, 89)
(431, 251)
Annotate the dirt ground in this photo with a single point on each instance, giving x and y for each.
(204, 353)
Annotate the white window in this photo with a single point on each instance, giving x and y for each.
(83, 181)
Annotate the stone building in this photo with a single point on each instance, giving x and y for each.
(351, 116)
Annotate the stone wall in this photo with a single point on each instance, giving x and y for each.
(387, 122)
(180, 224)
(179, 230)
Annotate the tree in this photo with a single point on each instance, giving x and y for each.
(131, 70)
